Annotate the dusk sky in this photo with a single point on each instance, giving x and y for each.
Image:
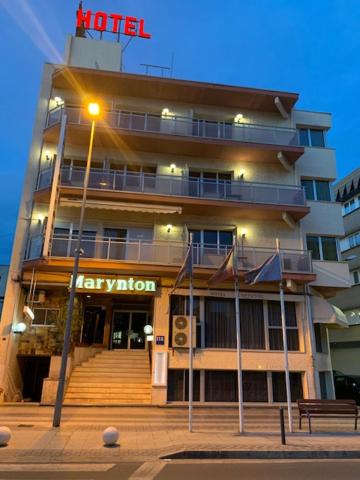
(306, 46)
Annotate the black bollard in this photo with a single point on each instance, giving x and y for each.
(282, 427)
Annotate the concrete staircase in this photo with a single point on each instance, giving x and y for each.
(111, 377)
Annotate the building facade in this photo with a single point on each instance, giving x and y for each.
(345, 344)
(171, 158)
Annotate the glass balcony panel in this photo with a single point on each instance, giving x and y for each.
(183, 126)
(239, 191)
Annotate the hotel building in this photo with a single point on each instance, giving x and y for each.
(171, 158)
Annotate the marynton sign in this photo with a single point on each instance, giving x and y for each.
(93, 283)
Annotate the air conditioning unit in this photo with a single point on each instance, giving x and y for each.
(181, 331)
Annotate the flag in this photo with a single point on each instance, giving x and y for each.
(186, 269)
(269, 271)
(226, 271)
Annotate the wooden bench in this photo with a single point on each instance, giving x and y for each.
(327, 408)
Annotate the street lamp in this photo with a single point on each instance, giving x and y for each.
(93, 110)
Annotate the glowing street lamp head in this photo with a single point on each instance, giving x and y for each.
(94, 109)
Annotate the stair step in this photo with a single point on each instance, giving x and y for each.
(111, 364)
(102, 395)
(111, 379)
(111, 388)
(105, 401)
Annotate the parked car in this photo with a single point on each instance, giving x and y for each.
(347, 386)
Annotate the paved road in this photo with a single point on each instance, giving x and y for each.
(226, 470)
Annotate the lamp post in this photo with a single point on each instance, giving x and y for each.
(93, 110)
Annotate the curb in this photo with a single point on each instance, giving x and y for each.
(262, 455)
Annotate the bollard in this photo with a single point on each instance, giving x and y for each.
(282, 426)
(5, 435)
(110, 436)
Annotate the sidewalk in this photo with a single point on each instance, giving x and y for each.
(149, 433)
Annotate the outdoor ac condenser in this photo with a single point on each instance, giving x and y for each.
(181, 331)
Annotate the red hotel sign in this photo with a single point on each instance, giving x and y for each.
(113, 22)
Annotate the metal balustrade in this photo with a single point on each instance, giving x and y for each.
(148, 183)
(239, 191)
(182, 126)
(166, 253)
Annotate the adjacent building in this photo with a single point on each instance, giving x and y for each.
(4, 269)
(345, 344)
(171, 158)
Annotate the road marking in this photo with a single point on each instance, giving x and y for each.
(147, 471)
(52, 467)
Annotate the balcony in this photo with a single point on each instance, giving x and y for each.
(160, 256)
(195, 196)
(178, 135)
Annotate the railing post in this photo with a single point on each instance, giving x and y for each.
(108, 249)
(146, 122)
(139, 251)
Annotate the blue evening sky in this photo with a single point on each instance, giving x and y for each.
(307, 46)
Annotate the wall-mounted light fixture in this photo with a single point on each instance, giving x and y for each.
(169, 227)
(172, 167)
(148, 330)
(59, 101)
(166, 113)
(238, 118)
(29, 314)
(243, 232)
(242, 175)
(19, 328)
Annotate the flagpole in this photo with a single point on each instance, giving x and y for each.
(286, 356)
(191, 314)
(238, 339)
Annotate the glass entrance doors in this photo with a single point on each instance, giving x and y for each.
(128, 330)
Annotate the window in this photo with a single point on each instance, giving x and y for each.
(322, 248)
(351, 205)
(209, 183)
(356, 277)
(45, 317)
(209, 245)
(318, 338)
(279, 386)
(222, 386)
(275, 326)
(323, 385)
(317, 189)
(178, 386)
(220, 324)
(351, 241)
(252, 324)
(311, 137)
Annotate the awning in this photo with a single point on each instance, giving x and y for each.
(327, 314)
(121, 206)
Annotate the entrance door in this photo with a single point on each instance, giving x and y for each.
(93, 326)
(128, 330)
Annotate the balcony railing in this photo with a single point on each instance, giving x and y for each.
(166, 253)
(117, 180)
(182, 126)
